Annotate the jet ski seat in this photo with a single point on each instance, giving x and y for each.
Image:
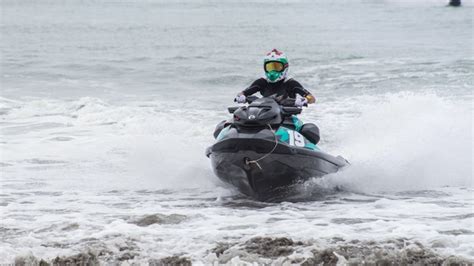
(220, 127)
(311, 132)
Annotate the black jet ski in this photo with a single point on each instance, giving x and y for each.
(265, 149)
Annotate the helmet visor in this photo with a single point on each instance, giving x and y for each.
(274, 66)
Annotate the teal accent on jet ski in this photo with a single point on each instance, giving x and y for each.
(223, 133)
(297, 122)
(312, 146)
(283, 134)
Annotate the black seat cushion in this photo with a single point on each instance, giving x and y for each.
(311, 132)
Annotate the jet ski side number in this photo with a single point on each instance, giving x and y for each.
(296, 139)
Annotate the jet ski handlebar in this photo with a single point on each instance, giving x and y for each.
(251, 98)
(232, 109)
(279, 100)
(289, 102)
(287, 105)
(291, 110)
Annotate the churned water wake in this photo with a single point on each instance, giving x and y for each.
(112, 182)
(106, 111)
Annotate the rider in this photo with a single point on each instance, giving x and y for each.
(275, 65)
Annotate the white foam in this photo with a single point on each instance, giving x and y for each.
(407, 141)
(153, 145)
(120, 147)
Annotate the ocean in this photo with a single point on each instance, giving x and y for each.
(107, 107)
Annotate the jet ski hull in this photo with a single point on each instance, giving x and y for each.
(258, 168)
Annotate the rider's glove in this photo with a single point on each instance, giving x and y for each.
(240, 98)
(300, 102)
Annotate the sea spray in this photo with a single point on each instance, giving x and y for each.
(407, 141)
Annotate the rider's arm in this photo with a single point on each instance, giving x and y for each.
(298, 88)
(256, 86)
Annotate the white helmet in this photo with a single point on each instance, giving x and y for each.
(275, 65)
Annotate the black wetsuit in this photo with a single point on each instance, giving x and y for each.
(283, 88)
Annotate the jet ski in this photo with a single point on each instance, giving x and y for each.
(265, 149)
